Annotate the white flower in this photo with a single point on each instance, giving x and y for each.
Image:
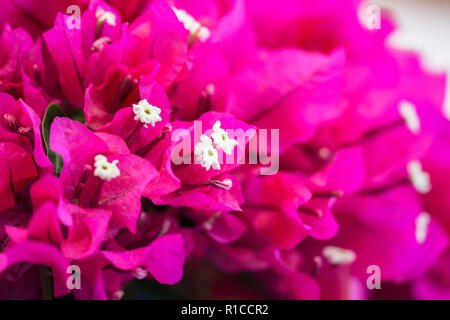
(192, 25)
(221, 139)
(105, 16)
(146, 113)
(106, 170)
(206, 154)
(203, 34)
(408, 112)
(419, 178)
(422, 222)
(336, 255)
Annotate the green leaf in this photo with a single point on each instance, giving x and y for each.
(78, 115)
(51, 113)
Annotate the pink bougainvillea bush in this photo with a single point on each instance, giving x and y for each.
(218, 149)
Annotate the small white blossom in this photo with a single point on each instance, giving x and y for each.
(206, 154)
(422, 222)
(408, 112)
(192, 25)
(146, 113)
(105, 16)
(337, 256)
(221, 139)
(203, 34)
(106, 170)
(419, 178)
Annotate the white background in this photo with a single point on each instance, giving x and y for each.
(423, 26)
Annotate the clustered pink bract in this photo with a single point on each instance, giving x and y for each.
(364, 151)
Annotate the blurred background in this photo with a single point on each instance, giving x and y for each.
(423, 26)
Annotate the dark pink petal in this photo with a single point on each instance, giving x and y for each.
(38, 253)
(89, 230)
(122, 195)
(163, 258)
(295, 97)
(159, 35)
(16, 169)
(227, 228)
(65, 47)
(119, 90)
(368, 223)
(283, 191)
(77, 145)
(345, 173)
(15, 46)
(39, 153)
(283, 230)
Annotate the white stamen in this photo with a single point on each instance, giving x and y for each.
(226, 184)
(105, 16)
(206, 154)
(408, 112)
(422, 222)
(106, 170)
(203, 34)
(338, 256)
(192, 25)
(419, 178)
(221, 139)
(146, 113)
(140, 273)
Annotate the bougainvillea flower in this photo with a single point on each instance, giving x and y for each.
(129, 130)
(22, 148)
(158, 35)
(78, 147)
(203, 188)
(15, 45)
(114, 114)
(38, 253)
(86, 227)
(71, 49)
(21, 125)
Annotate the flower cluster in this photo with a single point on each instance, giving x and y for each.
(96, 103)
